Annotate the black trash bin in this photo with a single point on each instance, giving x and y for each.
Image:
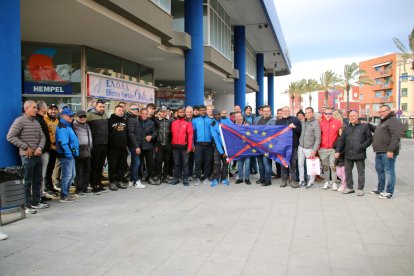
(12, 195)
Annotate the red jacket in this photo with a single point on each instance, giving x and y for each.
(329, 132)
(182, 134)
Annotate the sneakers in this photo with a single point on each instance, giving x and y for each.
(302, 183)
(260, 181)
(267, 183)
(175, 182)
(121, 185)
(197, 182)
(80, 194)
(29, 210)
(186, 183)
(213, 183)
(342, 188)
(359, 192)
(96, 191)
(294, 184)
(226, 182)
(238, 181)
(385, 195)
(348, 191)
(283, 184)
(102, 189)
(310, 184)
(67, 200)
(326, 186)
(334, 187)
(376, 192)
(131, 183)
(3, 236)
(205, 181)
(40, 206)
(113, 187)
(139, 185)
(247, 181)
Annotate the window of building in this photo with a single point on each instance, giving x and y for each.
(378, 68)
(219, 29)
(361, 96)
(103, 63)
(404, 77)
(388, 92)
(51, 69)
(163, 4)
(404, 106)
(378, 81)
(404, 92)
(250, 61)
(378, 94)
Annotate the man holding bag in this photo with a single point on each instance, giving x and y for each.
(309, 141)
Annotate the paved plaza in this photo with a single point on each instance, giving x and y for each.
(234, 230)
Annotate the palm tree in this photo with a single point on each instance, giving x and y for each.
(310, 86)
(328, 80)
(353, 76)
(406, 54)
(293, 90)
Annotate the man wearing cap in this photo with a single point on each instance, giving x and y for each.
(67, 146)
(162, 146)
(221, 167)
(134, 145)
(52, 123)
(203, 145)
(98, 122)
(26, 134)
(83, 161)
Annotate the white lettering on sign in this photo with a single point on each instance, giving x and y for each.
(48, 89)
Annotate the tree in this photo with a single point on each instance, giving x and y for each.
(310, 86)
(328, 80)
(406, 54)
(293, 90)
(353, 76)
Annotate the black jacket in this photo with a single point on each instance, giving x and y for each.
(134, 132)
(296, 131)
(387, 135)
(118, 137)
(45, 130)
(148, 128)
(163, 127)
(99, 127)
(354, 141)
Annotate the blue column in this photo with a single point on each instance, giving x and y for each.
(194, 58)
(240, 64)
(271, 92)
(260, 81)
(10, 77)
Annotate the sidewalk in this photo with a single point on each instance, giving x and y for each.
(235, 230)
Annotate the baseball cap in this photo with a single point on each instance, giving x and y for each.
(163, 108)
(196, 107)
(67, 111)
(53, 106)
(80, 113)
(202, 106)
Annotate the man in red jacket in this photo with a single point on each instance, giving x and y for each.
(329, 134)
(182, 145)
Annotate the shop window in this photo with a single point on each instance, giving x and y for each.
(130, 71)
(103, 63)
(146, 75)
(51, 69)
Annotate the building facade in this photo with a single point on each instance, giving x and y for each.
(164, 51)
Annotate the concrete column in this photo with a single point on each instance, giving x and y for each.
(10, 77)
(260, 81)
(240, 64)
(194, 58)
(271, 92)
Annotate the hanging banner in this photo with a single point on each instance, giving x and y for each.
(104, 87)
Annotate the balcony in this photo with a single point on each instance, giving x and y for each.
(383, 86)
(383, 74)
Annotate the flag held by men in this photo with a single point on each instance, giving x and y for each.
(241, 141)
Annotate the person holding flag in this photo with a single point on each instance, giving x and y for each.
(221, 166)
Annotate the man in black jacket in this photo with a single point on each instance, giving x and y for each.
(148, 139)
(117, 153)
(355, 140)
(386, 145)
(162, 146)
(134, 145)
(296, 127)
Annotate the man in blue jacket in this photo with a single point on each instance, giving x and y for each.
(221, 167)
(67, 147)
(203, 145)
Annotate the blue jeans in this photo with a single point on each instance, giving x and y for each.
(253, 164)
(135, 162)
(180, 163)
(265, 168)
(244, 173)
(385, 168)
(68, 175)
(32, 168)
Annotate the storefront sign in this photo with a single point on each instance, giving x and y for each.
(46, 88)
(105, 87)
(171, 99)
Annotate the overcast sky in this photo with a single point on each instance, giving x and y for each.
(327, 34)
